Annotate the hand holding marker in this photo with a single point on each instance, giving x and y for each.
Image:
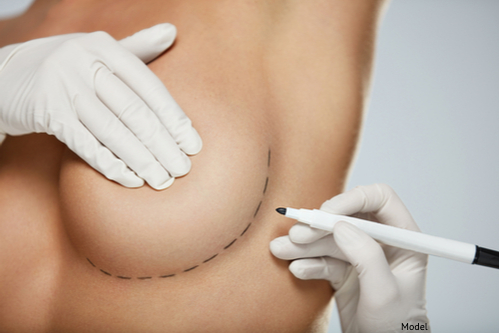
(378, 288)
(404, 239)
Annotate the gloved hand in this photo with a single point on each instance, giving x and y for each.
(98, 97)
(378, 287)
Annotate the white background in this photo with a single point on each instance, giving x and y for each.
(431, 132)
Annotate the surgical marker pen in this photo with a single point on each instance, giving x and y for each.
(401, 238)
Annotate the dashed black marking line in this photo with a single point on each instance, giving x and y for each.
(190, 269)
(228, 245)
(212, 257)
(215, 255)
(248, 226)
(91, 262)
(257, 210)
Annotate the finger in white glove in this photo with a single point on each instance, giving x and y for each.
(301, 233)
(284, 248)
(149, 43)
(378, 287)
(321, 268)
(342, 204)
(368, 258)
(95, 95)
(378, 199)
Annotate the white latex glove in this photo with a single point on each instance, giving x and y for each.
(98, 97)
(378, 287)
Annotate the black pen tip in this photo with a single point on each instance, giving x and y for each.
(281, 210)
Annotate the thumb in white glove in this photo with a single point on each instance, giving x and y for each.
(148, 44)
(95, 95)
(378, 288)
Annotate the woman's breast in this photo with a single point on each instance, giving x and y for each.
(143, 232)
(276, 132)
(194, 257)
(199, 250)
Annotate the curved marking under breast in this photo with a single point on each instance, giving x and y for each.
(206, 260)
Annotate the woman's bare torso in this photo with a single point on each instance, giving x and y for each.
(276, 91)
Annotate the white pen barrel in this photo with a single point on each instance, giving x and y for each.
(401, 238)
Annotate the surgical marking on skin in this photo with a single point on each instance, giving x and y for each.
(257, 210)
(190, 269)
(265, 186)
(248, 226)
(206, 260)
(91, 262)
(215, 255)
(228, 245)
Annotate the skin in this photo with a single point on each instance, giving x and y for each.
(253, 76)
